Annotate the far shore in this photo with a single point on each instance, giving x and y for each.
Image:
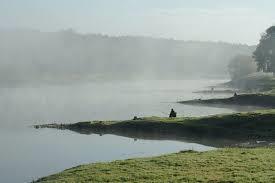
(257, 100)
(216, 91)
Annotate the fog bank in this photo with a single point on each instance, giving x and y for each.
(66, 56)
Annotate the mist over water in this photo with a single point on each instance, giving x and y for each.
(66, 77)
(100, 101)
(45, 152)
(72, 61)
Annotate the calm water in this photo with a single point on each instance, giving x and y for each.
(28, 154)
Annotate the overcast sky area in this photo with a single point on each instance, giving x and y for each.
(235, 21)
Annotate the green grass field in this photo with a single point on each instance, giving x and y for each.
(223, 165)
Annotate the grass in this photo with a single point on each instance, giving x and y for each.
(216, 130)
(223, 165)
(257, 99)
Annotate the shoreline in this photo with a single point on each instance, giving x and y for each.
(222, 165)
(214, 165)
(228, 130)
(257, 100)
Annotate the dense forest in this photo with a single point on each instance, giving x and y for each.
(65, 56)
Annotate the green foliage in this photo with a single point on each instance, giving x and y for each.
(224, 165)
(264, 54)
(240, 66)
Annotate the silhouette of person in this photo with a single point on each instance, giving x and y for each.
(173, 114)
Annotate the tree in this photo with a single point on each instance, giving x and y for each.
(240, 66)
(264, 53)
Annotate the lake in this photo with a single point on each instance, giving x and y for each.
(27, 153)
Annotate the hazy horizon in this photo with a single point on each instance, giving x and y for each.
(33, 56)
(208, 20)
(17, 29)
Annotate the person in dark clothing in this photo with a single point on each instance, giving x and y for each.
(173, 114)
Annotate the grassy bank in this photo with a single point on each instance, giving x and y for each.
(258, 100)
(217, 130)
(259, 89)
(224, 165)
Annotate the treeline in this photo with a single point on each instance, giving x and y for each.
(261, 60)
(66, 56)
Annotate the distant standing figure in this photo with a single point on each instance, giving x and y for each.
(235, 94)
(173, 114)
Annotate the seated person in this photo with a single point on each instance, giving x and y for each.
(173, 114)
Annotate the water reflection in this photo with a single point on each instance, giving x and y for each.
(29, 153)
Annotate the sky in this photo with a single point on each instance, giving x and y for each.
(235, 21)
